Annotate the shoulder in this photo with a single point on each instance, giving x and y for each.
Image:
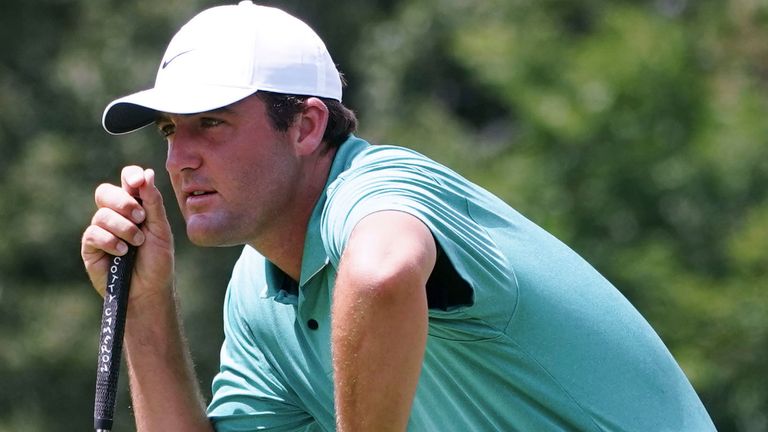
(376, 157)
(386, 169)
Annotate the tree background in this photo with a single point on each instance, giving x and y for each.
(634, 130)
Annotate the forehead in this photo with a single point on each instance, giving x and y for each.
(250, 106)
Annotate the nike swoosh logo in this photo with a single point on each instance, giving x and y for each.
(167, 62)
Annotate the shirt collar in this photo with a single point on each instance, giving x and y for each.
(315, 257)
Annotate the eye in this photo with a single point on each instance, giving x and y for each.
(166, 129)
(208, 122)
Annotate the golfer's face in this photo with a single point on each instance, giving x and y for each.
(233, 174)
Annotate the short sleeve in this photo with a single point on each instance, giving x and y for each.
(391, 178)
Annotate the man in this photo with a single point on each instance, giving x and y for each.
(377, 290)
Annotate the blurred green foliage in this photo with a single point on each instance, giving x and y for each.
(634, 130)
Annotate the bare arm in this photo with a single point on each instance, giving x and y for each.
(165, 393)
(379, 321)
(164, 390)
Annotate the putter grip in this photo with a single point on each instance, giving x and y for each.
(111, 337)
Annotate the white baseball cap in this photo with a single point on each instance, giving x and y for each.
(225, 54)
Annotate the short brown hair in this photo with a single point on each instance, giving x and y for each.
(282, 110)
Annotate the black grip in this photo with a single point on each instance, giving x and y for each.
(111, 337)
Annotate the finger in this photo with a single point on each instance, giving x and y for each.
(152, 199)
(97, 242)
(132, 179)
(118, 225)
(119, 200)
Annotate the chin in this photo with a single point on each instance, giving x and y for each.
(214, 230)
(201, 233)
(211, 236)
(211, 241)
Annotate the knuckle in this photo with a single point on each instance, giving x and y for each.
(103, 189)
(88, 234)
(92, 242)
(101, 217)
(86, 240)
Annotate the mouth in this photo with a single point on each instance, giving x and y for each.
(198, 197)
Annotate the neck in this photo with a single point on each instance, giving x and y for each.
(283, 245)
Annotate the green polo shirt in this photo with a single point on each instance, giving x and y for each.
(541, 342)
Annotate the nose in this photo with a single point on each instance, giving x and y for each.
(182, 152)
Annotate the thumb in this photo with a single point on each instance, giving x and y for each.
(152, 201)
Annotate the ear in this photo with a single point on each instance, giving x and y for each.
(309, 127)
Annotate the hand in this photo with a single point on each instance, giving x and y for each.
(120, 221)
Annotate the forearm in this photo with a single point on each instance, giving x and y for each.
(378, 348)
(164, 390)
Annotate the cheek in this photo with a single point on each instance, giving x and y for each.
(258, 184)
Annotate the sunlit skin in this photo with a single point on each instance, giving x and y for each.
(239, 181)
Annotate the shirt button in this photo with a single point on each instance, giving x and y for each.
(312, 324)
